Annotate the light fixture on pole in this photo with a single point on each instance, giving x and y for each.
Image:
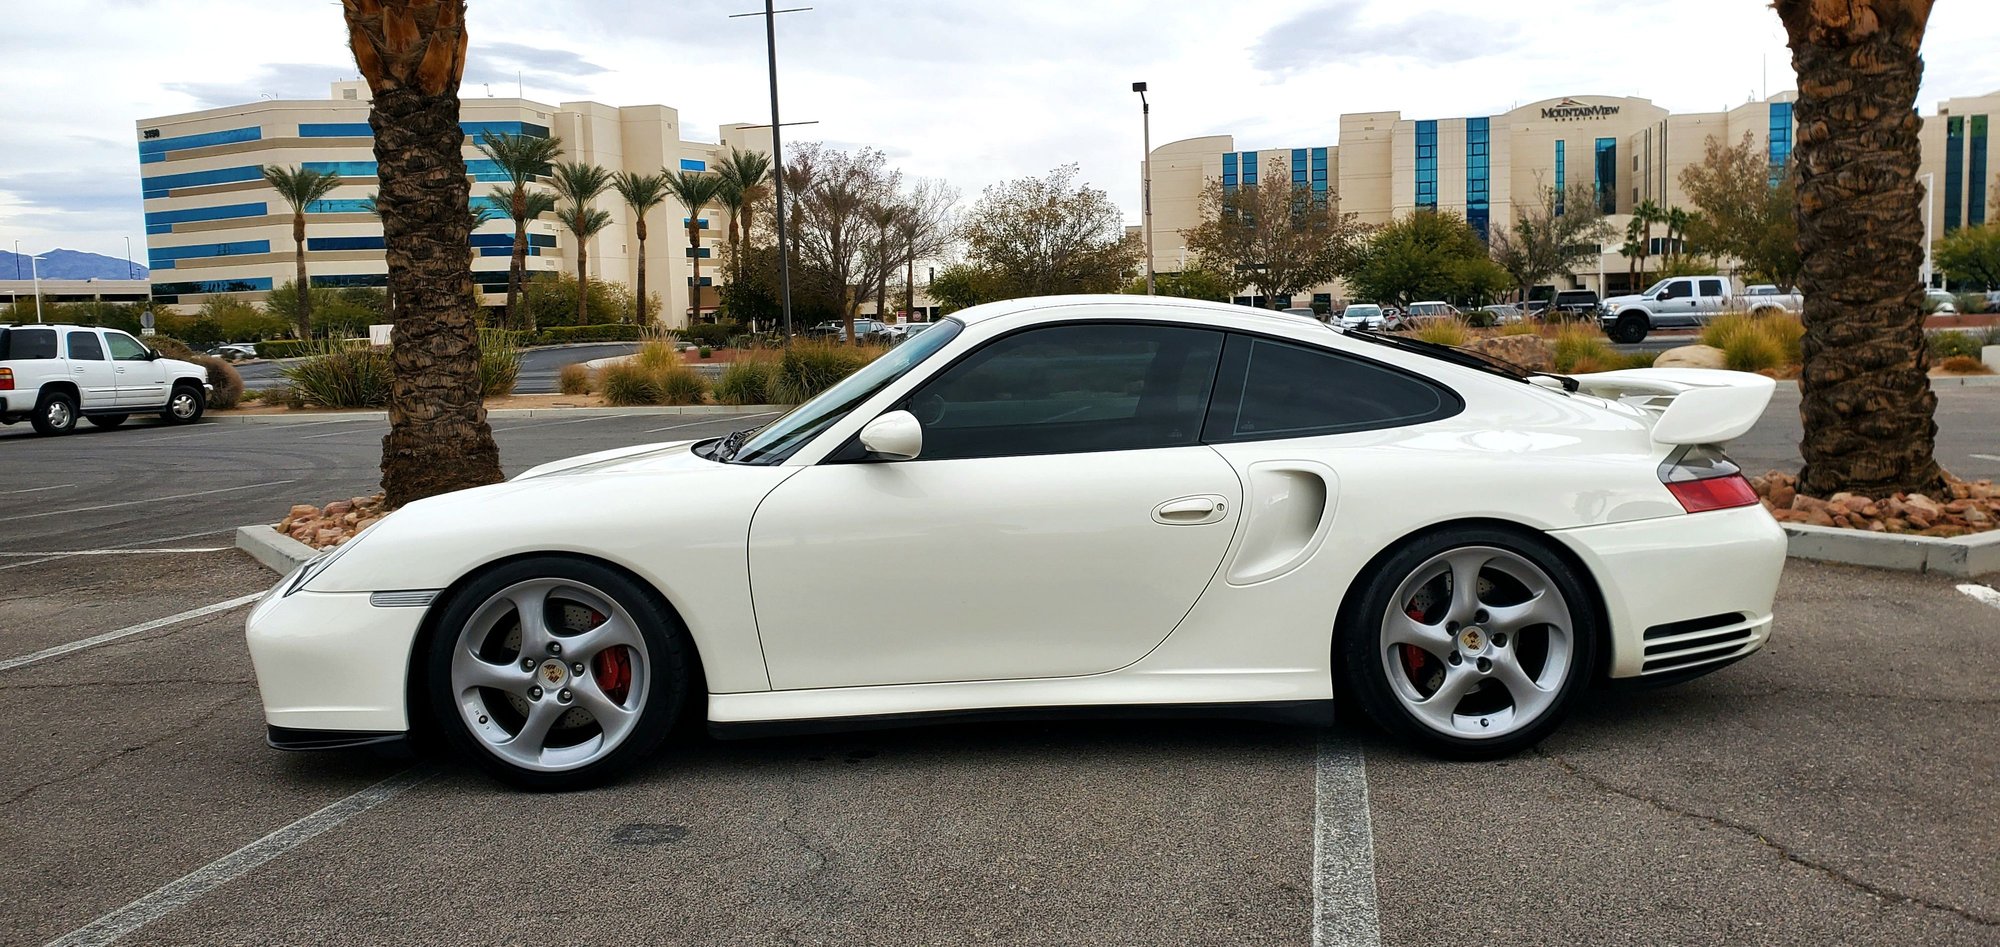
(778, 158)
(34, 268)
(1928, 180)
(1146, 179)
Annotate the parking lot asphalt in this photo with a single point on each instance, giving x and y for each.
(1835, 788)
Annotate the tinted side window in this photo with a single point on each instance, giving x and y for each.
(125, 348)
(1711, 287)
(29, 343)
(1071, 389)
(84, 345)
(1268, 390)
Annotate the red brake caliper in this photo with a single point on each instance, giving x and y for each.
(1413, 656)
(613, 667)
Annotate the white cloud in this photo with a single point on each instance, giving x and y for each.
(971, 92)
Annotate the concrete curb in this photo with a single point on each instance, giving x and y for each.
(1960, 556)
(275, 550)
(695, 410)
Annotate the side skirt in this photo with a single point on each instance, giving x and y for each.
(1310, 713)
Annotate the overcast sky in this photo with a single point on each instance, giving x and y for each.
(972, 92)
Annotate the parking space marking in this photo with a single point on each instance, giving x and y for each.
(676, 427)
(1982, 593)
(309, 437)
(128, 631)
(1994, 457)
(112, 552)
(59, 486)
(523, 427)
(185, 890)
(1344, 905)
(51, 557)
(177, 496)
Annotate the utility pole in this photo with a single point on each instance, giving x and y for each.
(1146, 179)
(778, 159)
(34, 267)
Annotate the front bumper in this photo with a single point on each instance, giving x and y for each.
(1684, 593)
(331, 661)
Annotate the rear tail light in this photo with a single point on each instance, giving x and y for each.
(1702, 478)
(6, 379)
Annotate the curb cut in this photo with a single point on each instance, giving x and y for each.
(272, 549)
(695, 410)
(1959, 556)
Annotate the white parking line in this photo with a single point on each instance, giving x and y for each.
(177, 496)
(167, 898)
(111, 552)
(59, 486)
(51, 557)
(1344, 908)
(128, 631)
(1981, 593)
(523, 427)
(676, 427)
(1987, 456)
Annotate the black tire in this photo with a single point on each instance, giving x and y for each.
(185, 405)
(106, 420)
(1630, 327)
(55, 413)
(668, 671)
(1362, 645)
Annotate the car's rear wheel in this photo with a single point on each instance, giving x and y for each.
(185, 405)
(1471, 642)
(55, 413)
(556, 673)
(106, 420)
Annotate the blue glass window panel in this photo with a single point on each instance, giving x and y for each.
(1427, 194)
(702, 226)
(162, 258)
(159, 186)
(524, 129)
(1975, 205)
(693, 164)
(1300, 166)
(155, 149)
(166, 218)
(1560, 184)
(1607, 175)
(1780, 140)
(1319, 159)
(507, 240)
(344, 243)
(346, 169)
(1228, 169)
(1954, 171)
(335, 130)
(255, 284)
(342, 205)
(702, 252)
(1477, 204)
(1249, 165)
(342, 282)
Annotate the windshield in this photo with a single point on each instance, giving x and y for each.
(779, 439)
(1364, 310)
(1654, 290)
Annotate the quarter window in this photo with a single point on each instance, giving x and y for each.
(1711, 287)
(125, 348)
(27, 343)
(1071, 389)
(84, 346)
(1268, 390)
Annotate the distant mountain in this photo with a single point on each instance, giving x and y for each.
(71, 264)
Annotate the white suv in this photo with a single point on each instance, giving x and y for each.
(53, 374)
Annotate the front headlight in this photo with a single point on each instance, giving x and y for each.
(318, 563)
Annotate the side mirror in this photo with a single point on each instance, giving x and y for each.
(894, 436)
(152, 355)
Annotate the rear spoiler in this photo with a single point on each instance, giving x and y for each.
(1694, 405)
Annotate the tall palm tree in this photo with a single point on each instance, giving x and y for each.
(695, 190)
(883, 215)
(520, 158)
(579, 184)
(748, 177)
(1865, 394)
(412, 54)
(641, 193)
(1677, 220)
(300, 187)
(521, 204)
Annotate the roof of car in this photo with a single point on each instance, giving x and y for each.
(1222, 313)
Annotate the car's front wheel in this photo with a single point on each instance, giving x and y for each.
(185, 405)
(555, 673)
(1630, 327)
(1471, 642)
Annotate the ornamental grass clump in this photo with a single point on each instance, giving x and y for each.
(1746, 344)
(336, 374)
(1444, 331)
(808, 368)
(574, 379)
(499, 362)
(746, 381)
(1580, 349)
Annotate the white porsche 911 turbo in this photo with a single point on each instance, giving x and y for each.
(1148, 504)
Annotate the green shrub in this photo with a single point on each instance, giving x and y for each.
(808, 368)
(600, 332)
(1639, 360)
(574, 379)
(1444, 332)
(241, 321)
(716, 334)
(705, 352)
(340, 375)
(1965, 365)
(1947, 344)
(499, 362)
(551, 298)
(1754, 343)
(223, 378)
(283, 348)
(679, 384)
(746, 381)
(170, 347)
(1971, 302)
(626, 383)
(1581, 349)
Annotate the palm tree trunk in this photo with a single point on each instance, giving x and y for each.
(518, 261)
(1865, 394)
(694, 257)
(909, 286)
(639, 305)
(438, 438)
(582, 281)
(299, 282)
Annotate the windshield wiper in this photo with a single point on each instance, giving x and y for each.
(733, 443)
(1465, 357)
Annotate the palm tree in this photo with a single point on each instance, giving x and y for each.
(695, 190)
(1644, 216)
(883, 215)
(520, 158)
(1677, 220)
(579, 184)
(520, 204)
(747, 175)
(642, 193)
(412, 54)
(300, 187)
(1865, 394)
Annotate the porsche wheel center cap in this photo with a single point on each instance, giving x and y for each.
(1473, 640)
(551, 673)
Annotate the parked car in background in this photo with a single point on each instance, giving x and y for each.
(1766, 298)
(1574, 304)
(235, 351)
(1419, 313)
(51, 375)
(1362, 316)
(1304, 312)
(1676, 302)
(898, 333)
(1497, 314)
(864, 329)
(1940, 302)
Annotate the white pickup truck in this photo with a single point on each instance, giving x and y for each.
(52, 375)
(1687, 302)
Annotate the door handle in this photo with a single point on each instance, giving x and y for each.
(78, 370)
(1191, 511)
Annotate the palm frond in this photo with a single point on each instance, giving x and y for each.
(577, 182)
(519, 156)
(300, 185)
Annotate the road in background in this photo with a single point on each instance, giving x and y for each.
(539, 367)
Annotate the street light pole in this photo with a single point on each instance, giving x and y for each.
(34, 267)
(778, 159)
(1146, 180)
(1929, 179)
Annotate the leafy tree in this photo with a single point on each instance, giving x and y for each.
(300, 187)
(1741, 214)
(1192, 283)
(923, 231)
(746, 177)
(831, 192)
(695, 190)
(1865, 394)
(1543, 243)
(1277, 236)
(111, 315)
(1048, 235)
(1427, 255)
(412, 54)
(641, 193)
(520, 158)
(549, 299)
(578, 183)
(964, 285)
(240, 321)
(1972, 255)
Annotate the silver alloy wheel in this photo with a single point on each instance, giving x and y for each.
(1477, 642)
(59, 414)
(183, 405)
(529, 690)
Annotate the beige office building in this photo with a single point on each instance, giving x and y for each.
(1627, 149)
(214, 226)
